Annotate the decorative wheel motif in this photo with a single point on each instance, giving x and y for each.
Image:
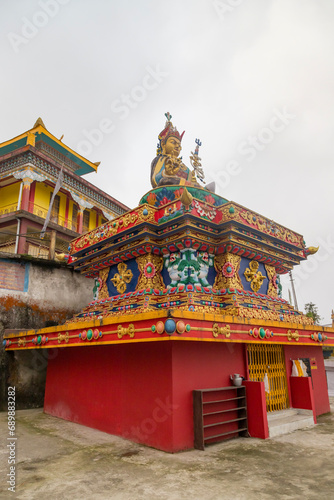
(149, 270)
(228, 270)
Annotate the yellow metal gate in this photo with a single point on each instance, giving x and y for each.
(269, 359)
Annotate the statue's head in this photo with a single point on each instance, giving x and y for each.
(169, 139)
(171, 146)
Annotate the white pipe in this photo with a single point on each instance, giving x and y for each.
(20, 196)
(17, 234)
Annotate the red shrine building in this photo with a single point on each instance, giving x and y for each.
(189, 341)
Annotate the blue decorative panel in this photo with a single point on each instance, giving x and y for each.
(165, 276)
(244, 264)
(125, 276)
(212, 275)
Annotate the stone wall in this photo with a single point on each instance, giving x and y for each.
(34, 293)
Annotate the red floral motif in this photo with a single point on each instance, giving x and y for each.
(228, 270)
(164, 201)
(210, 199)
(149, 270)
(178, 193)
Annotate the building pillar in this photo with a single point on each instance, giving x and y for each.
(67, 224)
(80, 219)
(22, 241)
(26, 194)
(32, 197)
(52, 248)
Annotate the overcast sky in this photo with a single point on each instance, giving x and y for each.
(252, 79)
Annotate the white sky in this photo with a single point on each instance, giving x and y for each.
(225, 69)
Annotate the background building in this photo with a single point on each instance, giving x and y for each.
(35, 289)
(30, 165)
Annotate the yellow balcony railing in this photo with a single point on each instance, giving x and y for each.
(8, 209)
(42, 212)
(54, 217)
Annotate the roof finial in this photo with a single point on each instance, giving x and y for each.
(39, 121)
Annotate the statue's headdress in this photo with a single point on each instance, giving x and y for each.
(168, 131)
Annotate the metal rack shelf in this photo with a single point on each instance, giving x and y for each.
(230, 414)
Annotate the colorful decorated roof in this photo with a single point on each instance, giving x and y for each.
(164, 223)
(185, 264)
(39, 135)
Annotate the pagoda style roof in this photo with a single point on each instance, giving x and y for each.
(39, 137)
(162, 224)
(185, 264)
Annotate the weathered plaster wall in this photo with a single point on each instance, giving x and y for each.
(44, 285)
(34, 293)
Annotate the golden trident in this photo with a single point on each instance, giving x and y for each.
(195, 161)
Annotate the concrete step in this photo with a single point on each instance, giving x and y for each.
(289, 412)
(285, 421)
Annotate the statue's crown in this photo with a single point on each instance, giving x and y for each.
(168, 131)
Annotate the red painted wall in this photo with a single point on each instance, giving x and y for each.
(32, 197)
(120, 389)
(320, 390)
(256, 409)
(140, 391)
(200, 365)
(302, 394)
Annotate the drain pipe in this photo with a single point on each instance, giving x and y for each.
(17, 234)
(20, 197)
(18, 220)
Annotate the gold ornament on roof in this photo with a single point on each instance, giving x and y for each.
(103, 276)
(186, 198)
(227, 266)
(39, 121)
(122, 278)
(31, 139)
(195, 161)
(272, 286)
(312, 250)
(255, 276)
(150, 267)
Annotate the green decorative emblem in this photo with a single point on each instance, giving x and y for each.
(188, 267)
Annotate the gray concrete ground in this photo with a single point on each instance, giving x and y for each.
(62, 460)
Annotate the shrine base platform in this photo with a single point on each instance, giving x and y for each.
(143, 391)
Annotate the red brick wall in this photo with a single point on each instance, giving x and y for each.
(12, 276)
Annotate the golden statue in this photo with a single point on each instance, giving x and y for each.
(167, 168)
